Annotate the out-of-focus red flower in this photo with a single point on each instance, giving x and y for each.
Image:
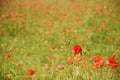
(65, 15)
(101, 9)
(78, 58)
(112, 61)
(90, 29)
(98, 62)
(118, 20)
(99, 30)
(47, 66)
(113, 70)
(76, 19)
(70, 61)
(18, 64)
(110, 15)
(52, 57)
(7, 55)
(103, 23)
(60, 67)
(52, 48)
(84, 64)
(31, 72)
(77, 49)
(97, 58)
(7, 16)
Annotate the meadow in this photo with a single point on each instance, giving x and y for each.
(59, 40)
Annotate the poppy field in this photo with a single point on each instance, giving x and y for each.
(59, 40)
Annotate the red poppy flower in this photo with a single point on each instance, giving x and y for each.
(60, 67)
(113, 70)
(7, 55)
(77, 19)
(18, 64)
(51, 57)
(76, 49)
(98, 62)
(84, 64)
(118, 19)
(101, 9)
(70, 61)
(31, 72)
(112, 61)
(78, 58)
(47, 66)
(97, 58)
(52, 48)
(7, 16)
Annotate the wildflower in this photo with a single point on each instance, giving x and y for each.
(70, 61)
(101, 9)
(113, 70)
(7, 55)
(51, 57)
(7, 16)
(18, 64)
(60, 67)
(78, 58)
(47, 66)
(110, 15)
(118, 20)
(76, 19)
(30, 72)
(99, 30)
(112, 61)
(84, 64)
(77, 49)
(53, 48)
(90, 29)
(97, 58)
(98, 62)
(103, 23)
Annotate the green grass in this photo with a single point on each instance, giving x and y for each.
(36, 26)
